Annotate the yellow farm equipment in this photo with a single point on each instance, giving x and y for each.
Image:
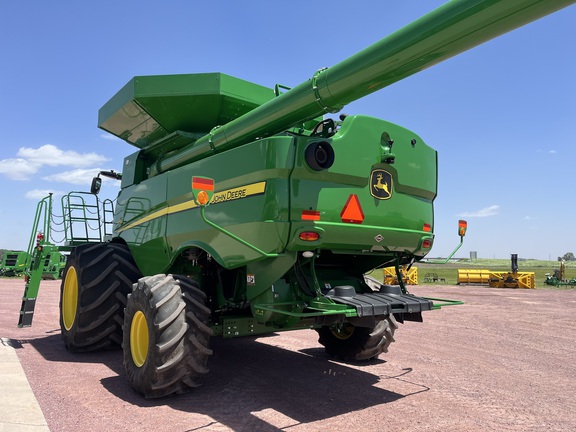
(511, 279)
(409, 275)
(473, 276)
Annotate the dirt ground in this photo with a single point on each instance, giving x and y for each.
(505, 360)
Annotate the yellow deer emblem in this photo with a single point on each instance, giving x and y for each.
(381, 184)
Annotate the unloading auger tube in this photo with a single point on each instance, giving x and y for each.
(443, 33)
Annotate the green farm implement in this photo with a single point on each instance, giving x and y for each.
(247, 210)
(13, 263)
(558, 277)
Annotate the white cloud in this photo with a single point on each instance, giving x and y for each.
(31, 160)
(552, 151)
(18, 169)
(110, 137)
(52, 156)
(77, 176)
(38, 194)
(486, 211)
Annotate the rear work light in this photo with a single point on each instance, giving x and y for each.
(319, 155)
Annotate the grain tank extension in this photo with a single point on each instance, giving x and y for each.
(245, 211)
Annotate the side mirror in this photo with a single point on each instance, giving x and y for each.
(462, 227)
(96, 185)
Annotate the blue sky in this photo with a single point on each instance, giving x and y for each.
(502, 116)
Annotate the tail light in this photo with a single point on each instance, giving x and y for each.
(309, 236)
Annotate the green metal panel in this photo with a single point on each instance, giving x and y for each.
(391, 224)
(54, 264)
(251, 200)
(33, 277)
(262, 189)
(151, 107)
(135, 207)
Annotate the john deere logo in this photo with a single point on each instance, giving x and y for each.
(381, 184)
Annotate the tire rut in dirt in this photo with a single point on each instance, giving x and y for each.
(177, 345)
(359, 343)
(105, 273)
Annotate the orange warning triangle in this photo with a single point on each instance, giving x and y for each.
(352, 211)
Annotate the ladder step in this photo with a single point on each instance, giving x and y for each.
(27, 312)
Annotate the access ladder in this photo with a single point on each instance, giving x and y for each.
(85, 219)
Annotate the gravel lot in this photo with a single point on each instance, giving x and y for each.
(505, 360)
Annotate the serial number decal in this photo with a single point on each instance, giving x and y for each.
(219, 197)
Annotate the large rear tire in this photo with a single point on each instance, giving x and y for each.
(96, 283)
(351, 343)
(166, 336)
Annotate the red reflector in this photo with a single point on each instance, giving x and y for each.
(427, 228)
(202, 183)
(462, 226)
(310, 215)
(309, 236)
(352, 211)
(202, 197)
(426, 244)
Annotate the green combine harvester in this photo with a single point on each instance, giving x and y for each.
(247, 210)
(13, 263)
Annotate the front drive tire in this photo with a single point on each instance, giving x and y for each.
(96, 282)
(166, 339)
(351, 343)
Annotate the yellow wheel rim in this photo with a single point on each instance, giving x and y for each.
(70, 298)
(139, 339)
(344, 332)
